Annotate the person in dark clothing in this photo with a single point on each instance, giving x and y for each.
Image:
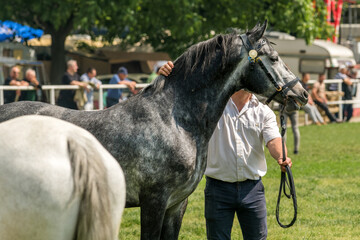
(346, 87)
(66, 97)
(13, 80)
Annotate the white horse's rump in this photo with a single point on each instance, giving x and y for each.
(57, 182)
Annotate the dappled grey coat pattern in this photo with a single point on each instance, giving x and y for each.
(160, 136)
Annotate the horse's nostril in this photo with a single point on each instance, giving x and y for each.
(306, 94)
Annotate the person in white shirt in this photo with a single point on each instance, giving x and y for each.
(235, 165)
(90, 78)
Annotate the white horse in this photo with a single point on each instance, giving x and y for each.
(57, 182)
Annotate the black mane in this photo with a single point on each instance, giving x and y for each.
(202, 54)
(204, 58)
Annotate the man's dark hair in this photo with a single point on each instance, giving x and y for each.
(90, 69)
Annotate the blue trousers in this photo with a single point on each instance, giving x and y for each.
(111, 101)
(347, 111)
(224, 199)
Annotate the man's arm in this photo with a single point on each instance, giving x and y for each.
(81, 84)
(315, 95)
(18, 83)
(347, 81)
(130, 84)
(275, 149)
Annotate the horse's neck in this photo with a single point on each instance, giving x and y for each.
(200, 111)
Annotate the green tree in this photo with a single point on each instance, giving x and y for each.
(172, 26)
(169, 26)
(59, 18)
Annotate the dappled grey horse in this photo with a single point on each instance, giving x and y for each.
(160, 135)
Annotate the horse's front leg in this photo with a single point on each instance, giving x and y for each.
(172, 221)
(152, 216)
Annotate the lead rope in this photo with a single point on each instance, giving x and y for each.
(289, 181)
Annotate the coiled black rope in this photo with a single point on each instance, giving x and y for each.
(289, 180)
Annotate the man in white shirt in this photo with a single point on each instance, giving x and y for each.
(236, 162)
(90, 78)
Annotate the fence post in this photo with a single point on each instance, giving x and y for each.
(1, 96)
(52, 96)
(340, 105)
(101, 98)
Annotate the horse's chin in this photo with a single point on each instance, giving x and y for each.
(291, 106)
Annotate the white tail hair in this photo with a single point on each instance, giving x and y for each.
(90, 184)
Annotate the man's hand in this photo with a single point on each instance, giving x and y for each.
(34, 81)
(85, 86)
(131, 85)
(283, 164)
(166, 68)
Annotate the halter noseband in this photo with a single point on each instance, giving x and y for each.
(254, 58)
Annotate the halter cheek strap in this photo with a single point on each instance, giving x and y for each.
(254, 58)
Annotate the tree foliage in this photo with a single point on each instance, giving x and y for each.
(60, 18)
(173, 26)
(169, 26)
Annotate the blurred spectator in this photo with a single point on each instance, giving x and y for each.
(66, 97)
(154, 74)
(13, 80)
(156, 70)
(319, 97)
(346, 87)
(90, 78)
(294, 119)
(115, 95)
(30, 77)
(310, 107)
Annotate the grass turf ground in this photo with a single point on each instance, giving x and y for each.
(327, 181)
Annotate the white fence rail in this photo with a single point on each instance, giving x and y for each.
(340, 102)
(53, 88)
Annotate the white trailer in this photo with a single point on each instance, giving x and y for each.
(319, 57)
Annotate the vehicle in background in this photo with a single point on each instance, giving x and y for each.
(320, 57)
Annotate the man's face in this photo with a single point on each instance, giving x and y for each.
(122, 76)
(74, 67)
(306, 78)
(321, 78)
(15, 72)
(92, 74)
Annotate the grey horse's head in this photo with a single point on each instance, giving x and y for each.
(267, 75)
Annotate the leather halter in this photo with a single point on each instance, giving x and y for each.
(289, 181)
(254, 58)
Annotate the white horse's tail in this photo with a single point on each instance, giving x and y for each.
(90, 184)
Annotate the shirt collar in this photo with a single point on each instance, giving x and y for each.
(253, 102)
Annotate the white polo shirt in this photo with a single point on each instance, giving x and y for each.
(236, 148)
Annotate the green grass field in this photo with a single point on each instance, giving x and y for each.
(327, 181)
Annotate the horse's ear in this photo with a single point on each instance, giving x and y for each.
(258, 31)
(219, 42)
